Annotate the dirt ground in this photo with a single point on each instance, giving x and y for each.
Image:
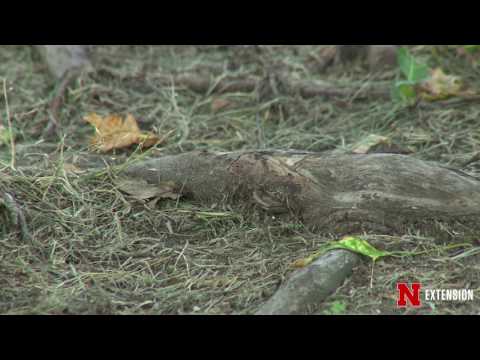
(95, 250)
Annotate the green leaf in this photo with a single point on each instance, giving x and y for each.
(361, 247)
(5, 136)
(404, 91)
(348, 243)
(413, 71)
(336, 308)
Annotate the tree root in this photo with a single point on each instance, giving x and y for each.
(332, 193)
(308, 287)
(306, 89)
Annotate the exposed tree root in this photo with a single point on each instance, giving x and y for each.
(308, 287)
(306, 89)
(331, 192)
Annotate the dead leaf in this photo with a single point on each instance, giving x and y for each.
(300, 263)
(371, 141)
(141, 190)
(376, 144)
(220, 104)
(73, 169)
(440, 86)
(112, 132)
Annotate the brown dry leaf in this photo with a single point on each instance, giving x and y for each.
(440, 86)
(141, 190)
(376, 144)
(220, 104)
(300, 263)
(370, 142)
(73, 169)
(112, 132)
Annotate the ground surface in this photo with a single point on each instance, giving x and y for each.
(94, 250)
